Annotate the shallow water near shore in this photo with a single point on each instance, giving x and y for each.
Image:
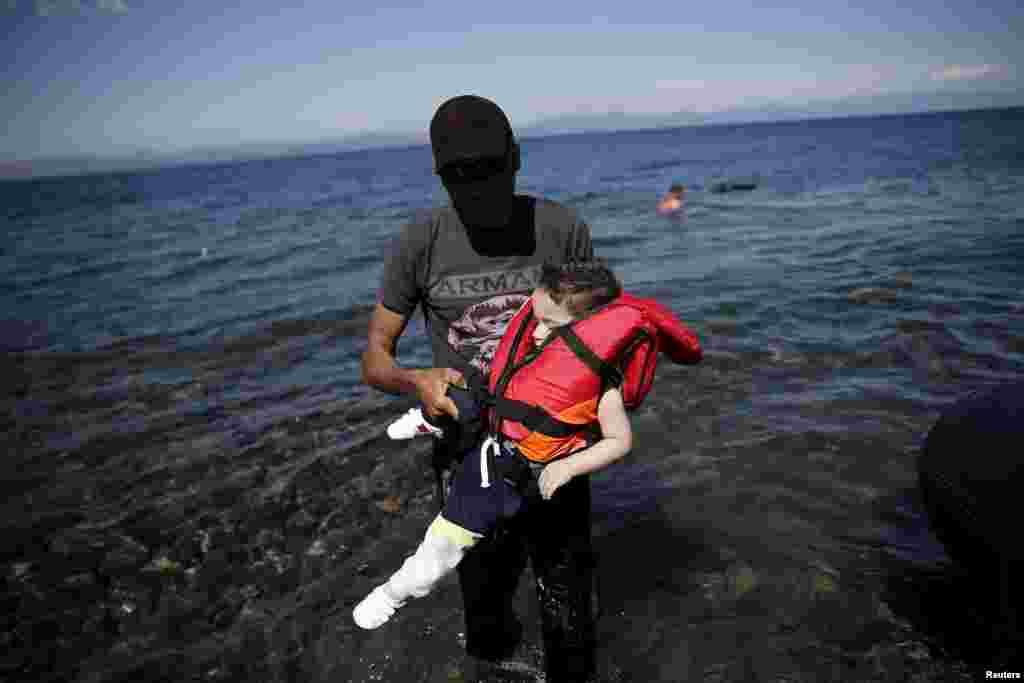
(731, 547)
(196, 487)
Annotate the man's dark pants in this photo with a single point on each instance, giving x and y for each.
(555, 536)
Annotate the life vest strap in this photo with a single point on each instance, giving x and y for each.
(535, 418)
(530, 416)
(610, 375)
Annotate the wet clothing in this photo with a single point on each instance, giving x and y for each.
(469, 286)
(509, 522)
(555, 535)
(467, 504)
(511, 484)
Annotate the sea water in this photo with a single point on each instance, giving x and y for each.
(173, 335)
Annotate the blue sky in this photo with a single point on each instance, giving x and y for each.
(116, 76)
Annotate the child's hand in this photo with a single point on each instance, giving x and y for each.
(554, 476)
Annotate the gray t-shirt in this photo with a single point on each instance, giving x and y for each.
(469, 286)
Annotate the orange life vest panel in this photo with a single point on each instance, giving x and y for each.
(545, 398)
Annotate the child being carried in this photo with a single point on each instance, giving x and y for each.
(573, 360)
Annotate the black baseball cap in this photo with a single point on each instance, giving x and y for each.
(467, 127)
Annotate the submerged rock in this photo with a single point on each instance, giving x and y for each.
(722, 326)
(870, 295)
(181, 554)
(903, 280)
(389, 504)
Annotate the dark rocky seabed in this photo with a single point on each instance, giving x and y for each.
(152, 534)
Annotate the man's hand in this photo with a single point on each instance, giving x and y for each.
(381, 371)
(431, 386)
(554, 476)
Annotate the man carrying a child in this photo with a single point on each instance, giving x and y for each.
(470, 267)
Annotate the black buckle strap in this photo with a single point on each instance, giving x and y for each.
(534, 418)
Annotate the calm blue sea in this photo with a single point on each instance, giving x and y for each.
(928, 207)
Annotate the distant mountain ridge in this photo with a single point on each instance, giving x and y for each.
(873, 105)
(904, 103)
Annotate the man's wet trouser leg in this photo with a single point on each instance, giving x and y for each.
(559, 541)
(555, 534)
(488, 576)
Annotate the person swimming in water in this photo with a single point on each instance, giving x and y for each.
(673, 201)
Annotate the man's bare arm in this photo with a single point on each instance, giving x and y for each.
(380, 369)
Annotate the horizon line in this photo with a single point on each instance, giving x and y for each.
(169, 159)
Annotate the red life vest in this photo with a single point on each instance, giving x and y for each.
(545, 398)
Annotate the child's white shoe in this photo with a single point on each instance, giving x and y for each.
(376, 608)
(412, 424)
(434, 558)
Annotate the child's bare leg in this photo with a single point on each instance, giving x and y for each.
(440, 552)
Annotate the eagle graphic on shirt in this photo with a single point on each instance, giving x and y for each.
(476, 334)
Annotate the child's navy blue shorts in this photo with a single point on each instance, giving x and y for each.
(477, 508)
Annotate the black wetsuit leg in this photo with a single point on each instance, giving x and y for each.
(558, 537)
